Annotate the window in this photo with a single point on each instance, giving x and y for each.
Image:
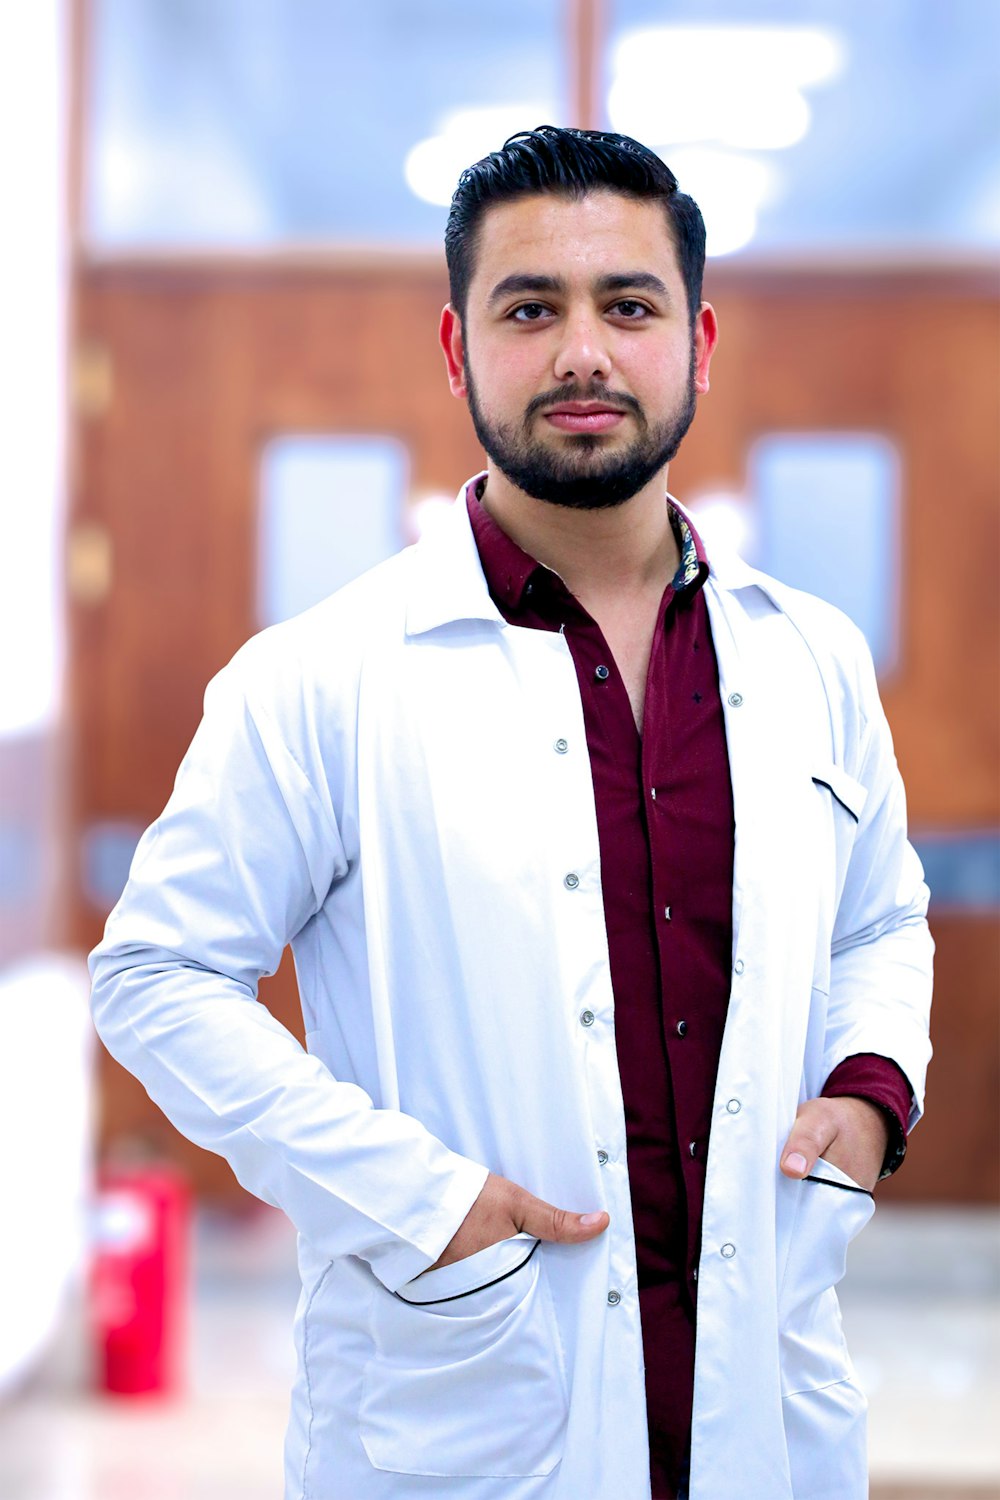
(826, 517)
(330, 507)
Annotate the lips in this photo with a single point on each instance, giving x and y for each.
(584, 418)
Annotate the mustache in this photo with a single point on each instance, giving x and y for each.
(618, 400)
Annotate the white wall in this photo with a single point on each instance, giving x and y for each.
(33, 281)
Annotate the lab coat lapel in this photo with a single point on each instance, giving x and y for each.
(772, 703)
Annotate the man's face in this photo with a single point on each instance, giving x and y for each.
(577, 356)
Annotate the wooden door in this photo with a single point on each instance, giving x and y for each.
(187, 370)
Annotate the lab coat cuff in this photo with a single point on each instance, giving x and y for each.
(399, 1261)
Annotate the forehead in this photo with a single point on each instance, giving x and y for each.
(577, 239)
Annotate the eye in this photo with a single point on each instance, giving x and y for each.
(631, 310)
(529, 312)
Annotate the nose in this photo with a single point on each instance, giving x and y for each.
(583, 354)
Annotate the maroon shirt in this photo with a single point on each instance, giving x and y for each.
(665, 824)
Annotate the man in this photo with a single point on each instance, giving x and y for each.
(611, 948)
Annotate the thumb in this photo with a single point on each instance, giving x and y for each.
(809, 1138)
(558, 1224)
(794, 1162)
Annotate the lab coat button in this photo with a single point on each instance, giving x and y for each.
(587, 1018)
(738, 965)
(561, 746)
(571, 881)
(734, 1106)
(727, 1251)
(602, 1157)
(682, 1027)
(735, 699)
(614, 1298)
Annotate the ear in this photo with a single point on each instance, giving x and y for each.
(450, 335)
(706, 336)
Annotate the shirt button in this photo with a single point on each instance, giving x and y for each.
(734, 1106)
(571, 881)
(602, 674)
(738, 965)
(694, 1274)
(735, 699)
(727, 1251)
(682, 1027)
(652, 793)
(614, 1298)
(587, 1018)
(666, 914)
(692, 1148)
(602, 1157)
(561, 746)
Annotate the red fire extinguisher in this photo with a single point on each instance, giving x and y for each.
(139, 1285)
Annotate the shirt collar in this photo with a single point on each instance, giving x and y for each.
(694, 565)
(507, 566)
(509, 569)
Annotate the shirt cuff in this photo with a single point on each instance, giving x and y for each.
(883, 1083)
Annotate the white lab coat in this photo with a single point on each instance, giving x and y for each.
(377, 783)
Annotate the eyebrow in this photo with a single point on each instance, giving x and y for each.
(620, 281)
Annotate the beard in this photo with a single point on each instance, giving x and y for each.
(580, 474)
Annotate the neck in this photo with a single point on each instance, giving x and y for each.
(623, 550)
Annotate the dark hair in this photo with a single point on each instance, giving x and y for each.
(551, 159)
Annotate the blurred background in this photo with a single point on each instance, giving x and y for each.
(221, 398)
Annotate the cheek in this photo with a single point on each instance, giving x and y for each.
(663, 368)
(507, 379)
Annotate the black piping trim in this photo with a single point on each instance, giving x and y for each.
(457, 1296)
(832, 790)
(845, 1187)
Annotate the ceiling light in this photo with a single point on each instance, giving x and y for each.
(433, 165)
(737, 86)
(730, 190)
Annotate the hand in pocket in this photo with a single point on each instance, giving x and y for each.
(503, 1209)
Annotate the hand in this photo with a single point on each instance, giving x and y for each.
(503, 1209)
(851, 1133)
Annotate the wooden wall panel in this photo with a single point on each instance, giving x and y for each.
(952, 1156)
(913, 358)
(209, 360)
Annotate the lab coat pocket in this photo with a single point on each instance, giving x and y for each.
(837, 805)
(852, 795)
(467, 1379)
(831, 1209)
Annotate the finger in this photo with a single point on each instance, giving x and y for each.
(559, 1225)
(810, 1138)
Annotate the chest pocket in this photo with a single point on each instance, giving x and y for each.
(467, 1377)
(851, 794)
(838, 802)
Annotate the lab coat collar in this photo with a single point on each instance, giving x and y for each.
(447, 582)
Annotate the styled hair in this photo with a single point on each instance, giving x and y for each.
(570, 163)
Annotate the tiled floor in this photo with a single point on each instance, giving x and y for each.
(921, 1307)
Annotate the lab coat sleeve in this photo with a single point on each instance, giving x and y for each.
(242, 857)
(881, 951)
